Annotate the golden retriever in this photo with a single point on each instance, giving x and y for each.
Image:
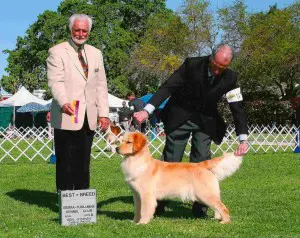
(152, 180)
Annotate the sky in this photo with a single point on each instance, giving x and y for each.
(17, 15)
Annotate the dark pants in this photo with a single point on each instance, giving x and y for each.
(177, 140)
(141, 127)
(73, 150)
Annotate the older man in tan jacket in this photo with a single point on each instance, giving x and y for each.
(77, 80)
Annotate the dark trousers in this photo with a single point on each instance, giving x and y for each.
(141, 127)
(177, 140)
(73, 150)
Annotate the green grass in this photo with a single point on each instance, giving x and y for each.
(263, 198)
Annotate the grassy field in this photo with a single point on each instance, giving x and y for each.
(263, 198)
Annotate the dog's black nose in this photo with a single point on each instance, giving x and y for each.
(117, 149)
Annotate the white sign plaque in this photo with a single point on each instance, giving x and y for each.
(77, 206)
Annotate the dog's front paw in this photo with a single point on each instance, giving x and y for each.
(144, 221)
(225, 222)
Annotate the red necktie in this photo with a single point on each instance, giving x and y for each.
(83, 63)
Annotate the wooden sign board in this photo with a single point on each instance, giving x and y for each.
(77, 206)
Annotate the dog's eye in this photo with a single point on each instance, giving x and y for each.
(128, 142)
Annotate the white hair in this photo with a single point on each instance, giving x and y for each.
(80, 17)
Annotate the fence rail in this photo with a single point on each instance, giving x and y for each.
(33, 143)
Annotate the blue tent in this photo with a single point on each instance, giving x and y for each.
(34, 107)
(147, 97)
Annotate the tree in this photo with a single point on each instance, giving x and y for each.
(272, 60)
(27, 62)
(196, 15)
(162, 49)
(117, 28)
(233, 20)
(269, 64)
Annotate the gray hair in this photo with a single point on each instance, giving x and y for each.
(221, 47)
(80, 17)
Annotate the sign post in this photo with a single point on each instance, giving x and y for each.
(297, 149)
(77, 206)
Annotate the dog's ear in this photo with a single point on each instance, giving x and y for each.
(139, 141)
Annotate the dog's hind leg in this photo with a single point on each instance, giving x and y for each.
(212, 197)
(223, 211)
(219, 208)
(217, 215)
(148, 204)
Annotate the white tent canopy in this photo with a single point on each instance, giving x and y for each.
(22, 97)
(114, 101)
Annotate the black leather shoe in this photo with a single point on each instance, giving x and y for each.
(160, 208)
(199, 210)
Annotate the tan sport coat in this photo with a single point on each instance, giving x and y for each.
(67, 82)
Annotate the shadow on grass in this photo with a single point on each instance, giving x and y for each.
(39, 198)
(175, 209)
(114, 214)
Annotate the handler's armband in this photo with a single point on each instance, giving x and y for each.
(234, 95)
(149, 108)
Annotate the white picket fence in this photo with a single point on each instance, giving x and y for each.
(36, 143)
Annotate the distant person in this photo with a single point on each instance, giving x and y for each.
(136, 105)
(125, 116)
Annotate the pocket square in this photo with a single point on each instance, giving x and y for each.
(97, 69)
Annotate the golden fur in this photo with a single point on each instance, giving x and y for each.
(152, 180)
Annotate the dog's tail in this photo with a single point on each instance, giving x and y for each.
(223, 166)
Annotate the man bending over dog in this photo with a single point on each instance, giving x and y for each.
(194, 90)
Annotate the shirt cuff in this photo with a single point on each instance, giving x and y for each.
(243, 137)
(149, 108)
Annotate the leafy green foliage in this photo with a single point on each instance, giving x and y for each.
(271, 60)
(117, 28)
(198, 18)
(161, 51)
(143, 43)
(27, 62)
(233, 21)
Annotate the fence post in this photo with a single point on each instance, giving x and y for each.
(53, 156)
(297, 149)
(153, 133)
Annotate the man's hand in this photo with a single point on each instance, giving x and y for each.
(141, 116)
(103, 123)
(242, 149)
(68, 109)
